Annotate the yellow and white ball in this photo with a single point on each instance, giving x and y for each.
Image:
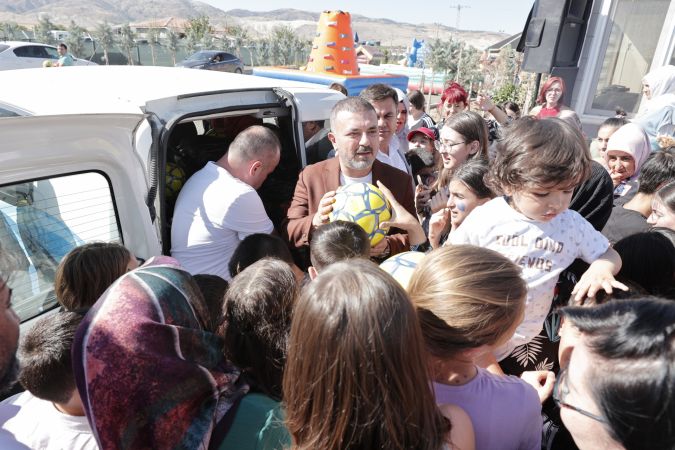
(402, 266)
(365, 205)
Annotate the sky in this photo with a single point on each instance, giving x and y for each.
(486, 15)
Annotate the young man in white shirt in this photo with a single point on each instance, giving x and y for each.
(219, 206)
(385, 101)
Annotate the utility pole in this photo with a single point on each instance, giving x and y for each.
(459, 8)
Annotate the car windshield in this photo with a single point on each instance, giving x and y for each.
(201, 56)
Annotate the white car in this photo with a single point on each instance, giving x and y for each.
(26, 55)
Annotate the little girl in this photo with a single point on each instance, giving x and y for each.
(538, 165)
(469, 299)
(467, 190)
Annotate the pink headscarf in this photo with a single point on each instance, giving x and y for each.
(632, 139)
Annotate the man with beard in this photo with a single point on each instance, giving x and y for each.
(9, 341)
(354, 135)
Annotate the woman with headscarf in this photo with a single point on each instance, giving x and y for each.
(658, 117)
(627, 149)
(148, 372)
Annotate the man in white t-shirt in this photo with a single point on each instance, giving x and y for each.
(385, 101)
(219, 206)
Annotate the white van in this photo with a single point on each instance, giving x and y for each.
(99, 154)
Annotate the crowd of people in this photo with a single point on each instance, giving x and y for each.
(541, 314)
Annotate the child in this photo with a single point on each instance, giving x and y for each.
(334, 242)
(470, 299)
(663, 207)
(537, 167)
(467, 190)
(88, 270)
(422, 155)
(355, 375)
(50, 413)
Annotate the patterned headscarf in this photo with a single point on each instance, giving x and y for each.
(148, 373)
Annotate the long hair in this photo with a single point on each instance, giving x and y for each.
(541, 98)
(466, 297)
(356, 375)
(472, 127)
(87, 271)
(257, 319)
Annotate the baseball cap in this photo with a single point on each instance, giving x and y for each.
(425, 131)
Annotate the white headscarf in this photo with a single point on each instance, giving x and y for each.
(632, 139)
(660, 81)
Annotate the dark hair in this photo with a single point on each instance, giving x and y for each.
(62, 44)
(378, 92)
(613, 122)
(472, 127)
(336, 241)
(356, 374)
(667, 195)
(545, 152)
(416, 98)
(541, 98)
(513, 106)
(46, 365)
(87, 271)
(648, 259)
(213, 290)
(255, 247)
(351, 105)
(657, 170)
(257, 320)
(338, 87)
(633, 370)
(454, 94)
(472, 173)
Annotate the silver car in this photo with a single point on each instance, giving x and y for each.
(26, 55)
(213, 60)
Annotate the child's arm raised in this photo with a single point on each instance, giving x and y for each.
(600, 275)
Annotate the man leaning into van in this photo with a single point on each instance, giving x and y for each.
(219, 205)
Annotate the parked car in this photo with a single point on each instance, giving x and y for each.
(82, 165)
(26, 55)
(213, 60)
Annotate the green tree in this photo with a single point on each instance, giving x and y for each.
(43, 30)
(74, 40)
(153, 40)
(10, 30)
(505, 93)
(199, 33)
(172, 40)
(126, 40)
(240, 36)
(283, 40)
(104, 36)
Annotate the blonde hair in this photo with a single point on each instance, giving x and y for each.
(466, 297)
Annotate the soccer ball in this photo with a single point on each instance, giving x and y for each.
(175, 177)
(365, 205)
(402, 266)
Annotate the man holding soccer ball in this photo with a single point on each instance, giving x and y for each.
(355, 137)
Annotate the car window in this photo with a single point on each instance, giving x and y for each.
(51, 52)
(228, 56)
(30, 51)
(41, 221)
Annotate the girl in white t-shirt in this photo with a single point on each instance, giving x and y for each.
(538, 164)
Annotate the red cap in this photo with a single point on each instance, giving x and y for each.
(425, 131)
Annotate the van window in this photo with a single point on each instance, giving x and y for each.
(41, 221)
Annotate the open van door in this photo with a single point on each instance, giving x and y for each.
(65, 181)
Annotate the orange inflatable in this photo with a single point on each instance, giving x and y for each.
(333, 48)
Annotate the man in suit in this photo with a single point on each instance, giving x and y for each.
(355, 137)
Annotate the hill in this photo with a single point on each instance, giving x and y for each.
(88, 13)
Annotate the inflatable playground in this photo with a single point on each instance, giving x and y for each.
(333, 59)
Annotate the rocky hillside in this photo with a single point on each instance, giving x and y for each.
(89, 12)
